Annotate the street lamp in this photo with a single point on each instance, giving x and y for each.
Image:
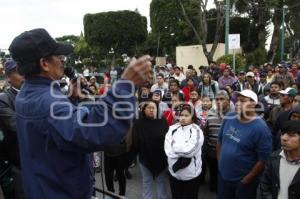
(285, 7)
(227, 24)
(111, 51)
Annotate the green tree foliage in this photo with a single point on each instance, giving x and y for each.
(71, 39)
(149, 46)
(122, 30)
(257, 57)
(265, 12)
(168, 27)
(81, 48)
(240, 61)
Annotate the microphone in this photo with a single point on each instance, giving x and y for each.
(70, 73)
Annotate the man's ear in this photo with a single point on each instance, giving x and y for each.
(44, 63)
(8, 78)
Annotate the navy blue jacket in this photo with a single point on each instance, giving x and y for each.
(55, 142)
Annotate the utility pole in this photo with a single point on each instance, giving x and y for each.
(227, 15)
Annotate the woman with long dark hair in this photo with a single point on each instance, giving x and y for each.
(148, 142)
(209, 87)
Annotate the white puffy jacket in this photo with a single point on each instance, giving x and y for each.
(184, 141)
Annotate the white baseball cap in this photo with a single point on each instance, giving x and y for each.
(249, 94)
(289, 91)
(250, 74)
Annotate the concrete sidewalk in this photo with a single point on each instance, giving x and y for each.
(134, 187)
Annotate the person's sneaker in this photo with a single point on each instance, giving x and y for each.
(128, 174)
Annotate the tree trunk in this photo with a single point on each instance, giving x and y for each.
(275, 37)
(201, 35)
(261, 27)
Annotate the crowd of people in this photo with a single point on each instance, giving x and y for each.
(237, 121)
(240, 130)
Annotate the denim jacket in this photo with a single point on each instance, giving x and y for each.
(55, 140)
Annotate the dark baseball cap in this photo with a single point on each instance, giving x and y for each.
(263, 74)
(9, 66)
(291, 126)
(30, 46)
(294, 110)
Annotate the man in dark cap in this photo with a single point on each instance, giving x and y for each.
(263, 82)
(281, 178)
(56, 137)
(284, 75)
(9, 152)
(239, 85)
(284, 116)
(295, 113)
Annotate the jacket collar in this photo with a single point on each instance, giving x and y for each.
(296, 177)
(276, 157)
(40, 80)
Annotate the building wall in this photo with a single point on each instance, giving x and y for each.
(193, 55)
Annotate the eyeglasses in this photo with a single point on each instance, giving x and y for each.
(220, 99)
(62, 58)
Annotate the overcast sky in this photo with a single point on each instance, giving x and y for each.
(59, 17)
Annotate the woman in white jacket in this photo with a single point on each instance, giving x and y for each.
(183, 145)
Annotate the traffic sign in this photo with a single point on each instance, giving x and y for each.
(234, 41)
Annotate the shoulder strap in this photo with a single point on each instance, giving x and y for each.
(213, 87)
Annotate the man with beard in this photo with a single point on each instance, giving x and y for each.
(244, 145)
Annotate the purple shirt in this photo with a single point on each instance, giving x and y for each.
(226, 81)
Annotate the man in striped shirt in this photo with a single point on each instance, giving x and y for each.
(213, 124)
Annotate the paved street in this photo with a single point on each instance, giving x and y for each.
(134, 186)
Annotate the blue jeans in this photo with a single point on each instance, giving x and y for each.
(236, 189)
(161, 182)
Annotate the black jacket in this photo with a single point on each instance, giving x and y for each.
(269, 185)
(9, 145)
(148, 142)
